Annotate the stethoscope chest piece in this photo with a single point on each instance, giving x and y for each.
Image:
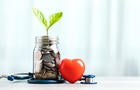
(88, 79)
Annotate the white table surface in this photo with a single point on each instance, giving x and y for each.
(104, 83)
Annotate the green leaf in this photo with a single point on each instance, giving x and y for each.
(40, 17)
(54, 18)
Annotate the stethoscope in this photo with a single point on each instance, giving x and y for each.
(86, 79)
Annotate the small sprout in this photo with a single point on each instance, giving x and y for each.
(47, 23)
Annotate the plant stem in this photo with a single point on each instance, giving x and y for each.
(47, 32)
(47, 35)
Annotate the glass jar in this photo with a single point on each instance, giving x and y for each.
(46, 58)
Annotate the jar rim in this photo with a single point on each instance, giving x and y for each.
(50, 37)
(46, 39)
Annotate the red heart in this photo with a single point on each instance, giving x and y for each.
(72, 69)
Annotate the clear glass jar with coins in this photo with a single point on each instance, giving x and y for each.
(46, 58)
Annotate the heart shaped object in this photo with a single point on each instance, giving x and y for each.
(72, 69)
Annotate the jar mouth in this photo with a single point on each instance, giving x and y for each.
(46, 39)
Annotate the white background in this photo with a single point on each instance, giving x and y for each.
(104, 33)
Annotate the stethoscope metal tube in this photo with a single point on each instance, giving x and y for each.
(3, 76)
(17, 76)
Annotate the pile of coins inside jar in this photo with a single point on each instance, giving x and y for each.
(46, 59)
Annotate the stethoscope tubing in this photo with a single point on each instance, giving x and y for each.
(86, 79)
